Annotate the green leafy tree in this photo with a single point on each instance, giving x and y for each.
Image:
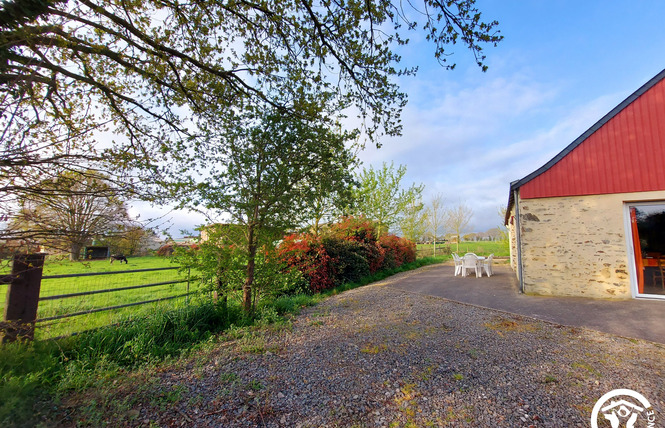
(414, 221)
(503, 230)
(380, 196)
(149, 71)
(332, 193)
(131, 241)
(266, 171)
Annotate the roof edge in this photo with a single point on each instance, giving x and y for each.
(511, 202)
(579, 140)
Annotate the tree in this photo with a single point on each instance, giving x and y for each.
(436, 216)
(414, 221)
(148, 72)
(332, 192)
(70, 213)
(457, 219)
(381, 198)
(494, 234)
(265, 172)
(131, 241)
(503, 230)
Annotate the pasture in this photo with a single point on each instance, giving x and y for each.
(90, 306)
(481, 248)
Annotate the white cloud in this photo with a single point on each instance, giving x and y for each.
(469, 144)
(176, 223)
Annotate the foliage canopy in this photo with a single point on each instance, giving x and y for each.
(149, 71)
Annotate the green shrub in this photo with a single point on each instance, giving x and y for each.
(348, 259)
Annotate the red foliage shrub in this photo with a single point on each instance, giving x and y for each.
(306, 253)
(397, 251)
(349, 252)
(361, 230)
(167, 250)
(357, 229)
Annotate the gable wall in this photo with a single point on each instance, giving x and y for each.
(576, 246)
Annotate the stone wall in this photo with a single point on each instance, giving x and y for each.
(576, 246)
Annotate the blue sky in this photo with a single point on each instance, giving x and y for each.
(561, 66)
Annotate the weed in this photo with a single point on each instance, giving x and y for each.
(587, 367)
(550, 379)
(426, 374)
(503, 325)
(228, 378)
(197, 400)
(458, 376)
(255, 385)
(165, 399)
(373, 349)
(252, 344)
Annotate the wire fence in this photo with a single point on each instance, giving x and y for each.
(72, 303)
(75, 302)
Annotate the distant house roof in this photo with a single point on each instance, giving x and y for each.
(622, 153)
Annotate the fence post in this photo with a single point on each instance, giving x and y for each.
(189, 273)
(22, 298)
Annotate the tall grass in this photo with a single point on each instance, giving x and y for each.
(30, 370)
(41, 371)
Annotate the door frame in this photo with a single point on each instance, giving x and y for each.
(630, 248)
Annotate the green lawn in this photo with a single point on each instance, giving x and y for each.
(481, 248)
(61, 267)
(60, 286)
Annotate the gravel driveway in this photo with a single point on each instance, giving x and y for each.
(377, 356)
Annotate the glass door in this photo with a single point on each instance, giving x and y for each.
(647, 226)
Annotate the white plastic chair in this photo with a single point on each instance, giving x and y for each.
(487, 265)
(470, 261)
(458, 264)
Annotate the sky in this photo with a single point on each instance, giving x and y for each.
(561, 67)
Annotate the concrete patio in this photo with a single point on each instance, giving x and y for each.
(634, 318)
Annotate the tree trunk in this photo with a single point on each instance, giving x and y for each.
(220, 289)
(251, 264)
(316, 225)
(75, 252)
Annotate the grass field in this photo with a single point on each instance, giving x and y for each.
(60, 286)
(481, 248)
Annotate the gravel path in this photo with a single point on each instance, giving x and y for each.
(376, 356)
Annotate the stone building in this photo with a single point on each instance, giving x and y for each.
(591, 221)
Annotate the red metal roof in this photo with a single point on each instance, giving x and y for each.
(623, 152)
